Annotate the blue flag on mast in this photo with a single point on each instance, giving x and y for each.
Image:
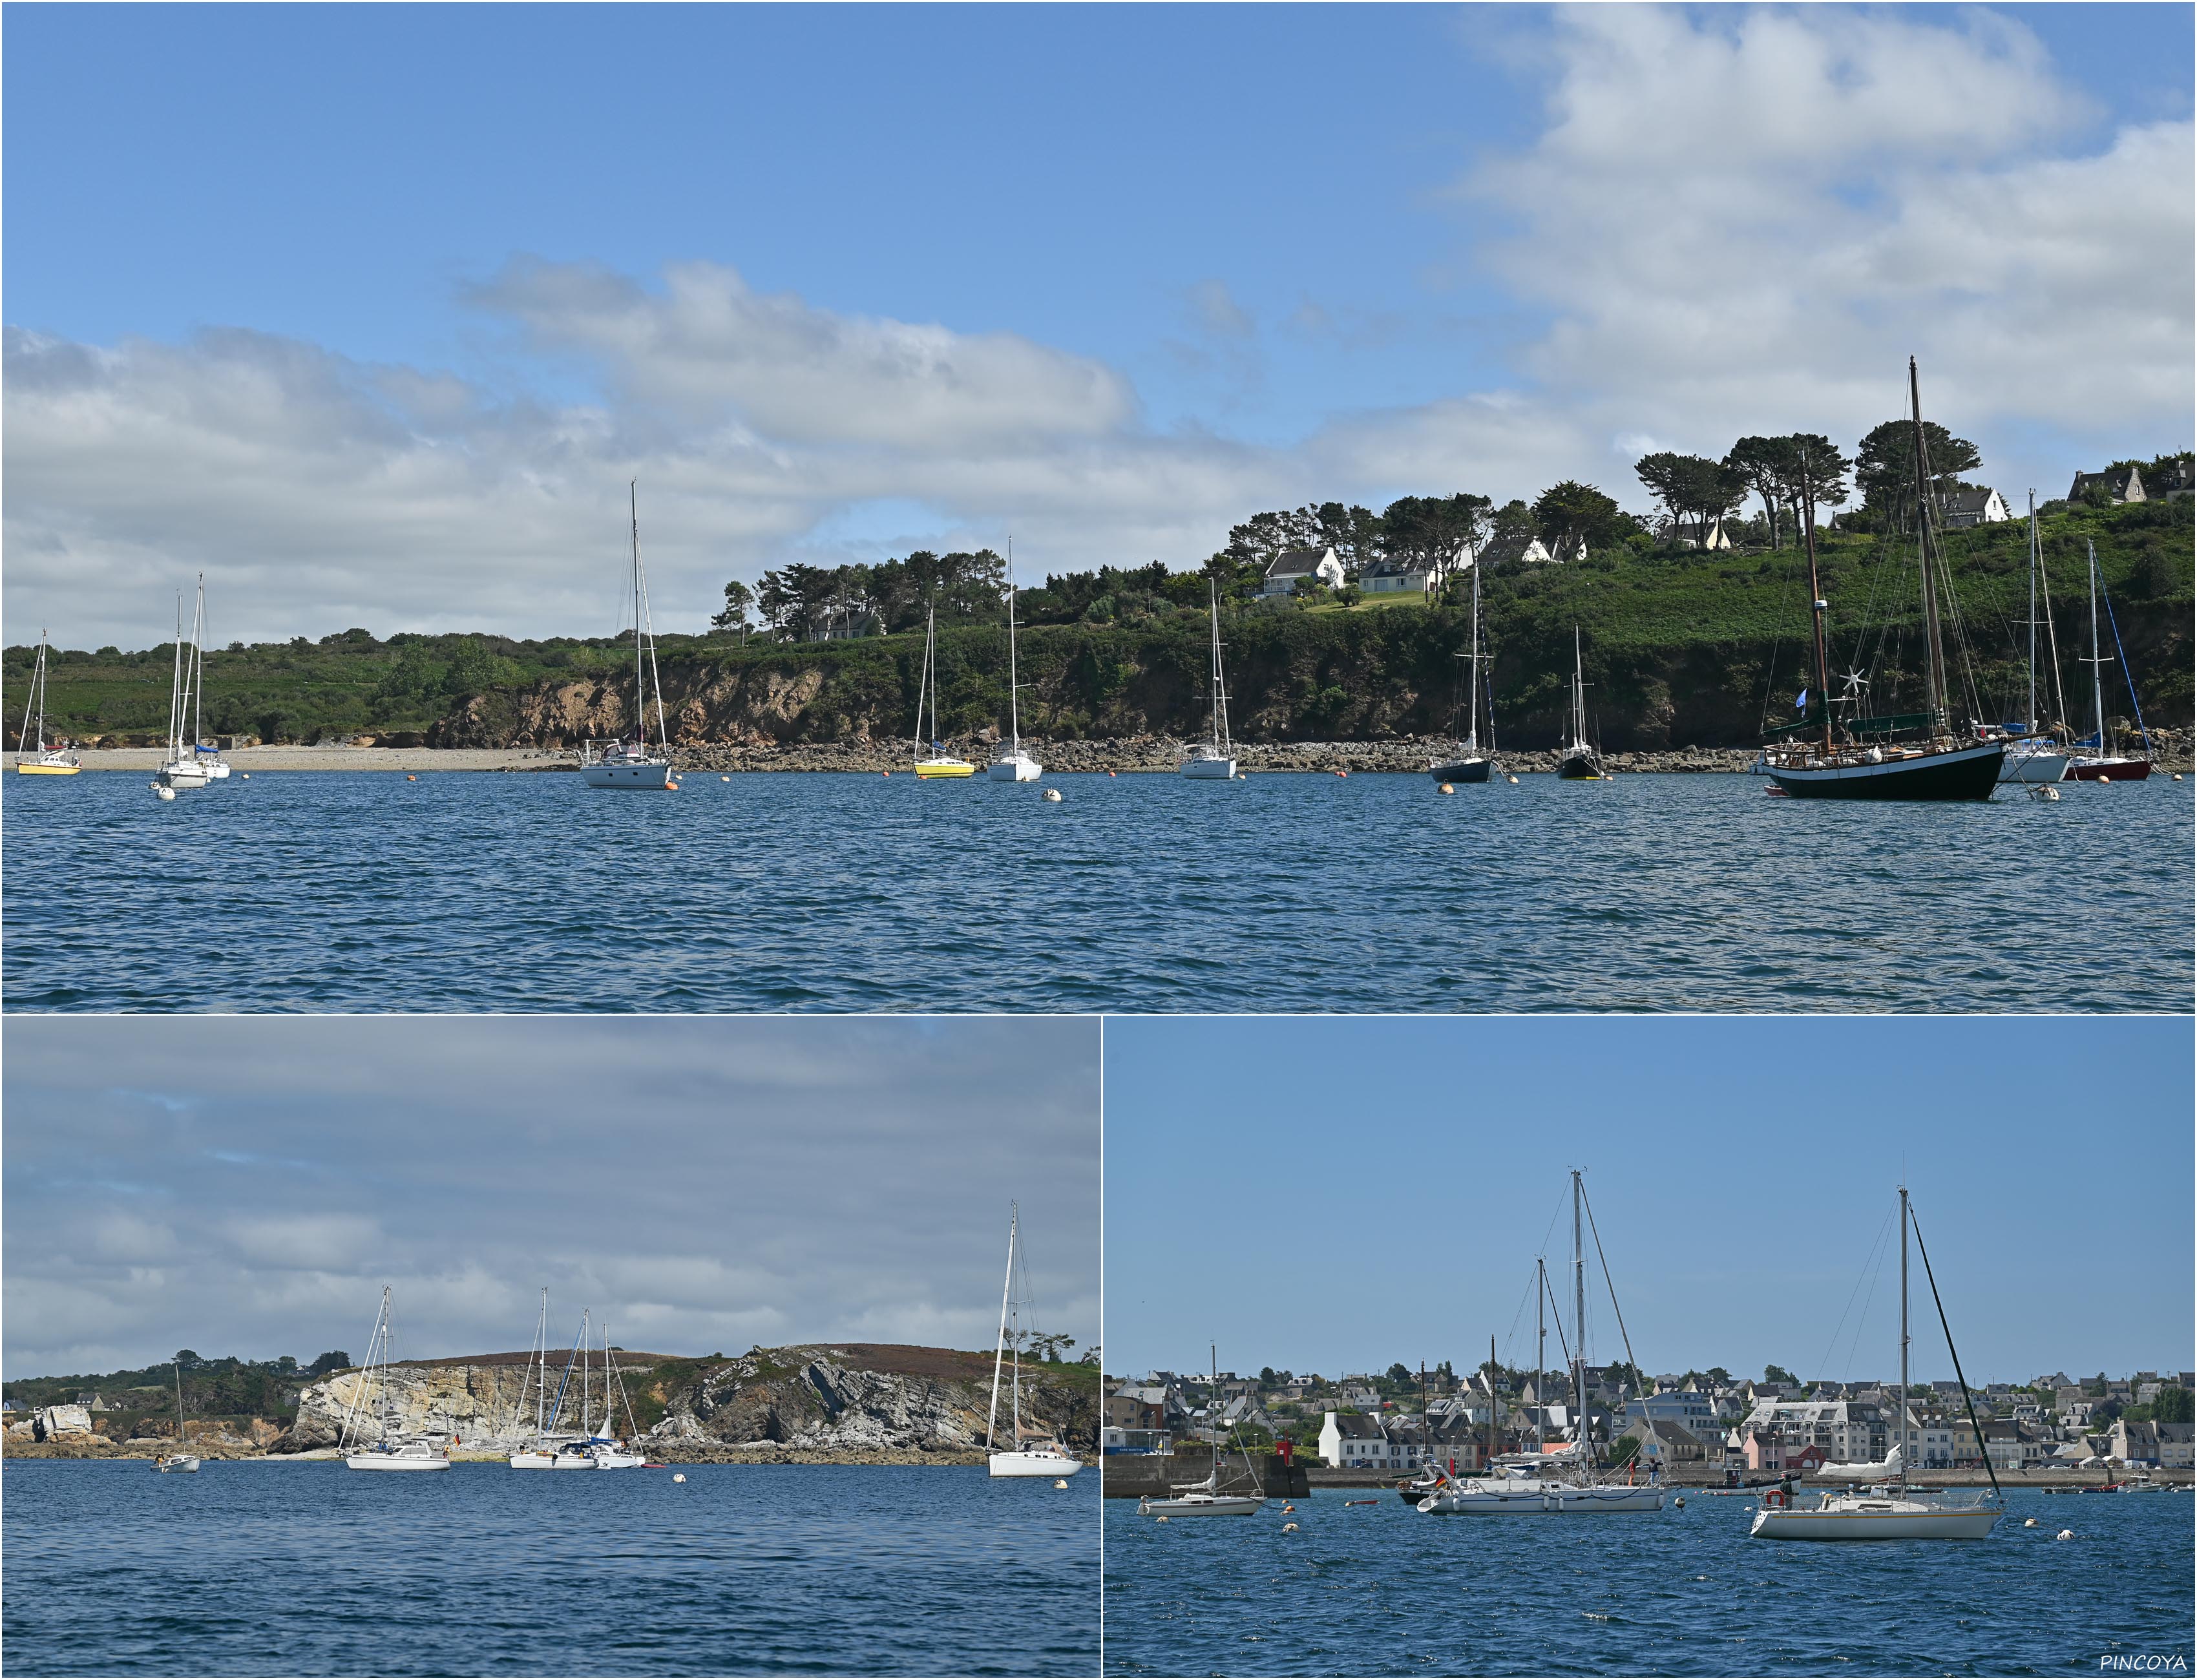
(1801, 704)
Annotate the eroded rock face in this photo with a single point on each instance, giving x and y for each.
(788, 1403)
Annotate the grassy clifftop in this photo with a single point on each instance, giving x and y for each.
(1680, 649)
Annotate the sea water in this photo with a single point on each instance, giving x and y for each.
(1380, 1589)
(367, 891)
(262, 1568)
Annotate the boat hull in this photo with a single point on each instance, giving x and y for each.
(32, 767)
(654, 776)
(1966, 773)
(944, 770)
(1580, 766)
(1462, 770)
(1021, 767)
(183, 775)
(1543, 1501)
(2109, 770)
(1795, 1525)
(2033, 768)
(533, 1461)
(392, 1460)
(1209, 1504)
(1208, 769)
(186, 1464)
(1034, 1464)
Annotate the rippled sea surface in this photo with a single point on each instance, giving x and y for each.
(272, 1569)
(365, 891)
(1380, 1589)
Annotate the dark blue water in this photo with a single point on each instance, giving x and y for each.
(270, 1569)
(1380, 1590)
(363, 891)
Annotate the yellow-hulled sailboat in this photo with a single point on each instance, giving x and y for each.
(939, 767)
(54, 761)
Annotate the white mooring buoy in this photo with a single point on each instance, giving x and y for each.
(2030, 1523)
(1445, 788)
(2065, 1535)
(1514, 781)
(1061, 1482)
(680, 1476)
(162, 791)
(1053, 795)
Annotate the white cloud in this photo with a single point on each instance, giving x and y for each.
(1733, 221)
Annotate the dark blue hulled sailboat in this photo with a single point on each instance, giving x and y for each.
(1913, 756)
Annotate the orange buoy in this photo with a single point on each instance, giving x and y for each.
(411, 779)
(887, 776)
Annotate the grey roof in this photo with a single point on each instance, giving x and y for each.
(1297, 563)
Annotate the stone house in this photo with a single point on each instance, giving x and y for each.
(1971, 505)
(2120, 485)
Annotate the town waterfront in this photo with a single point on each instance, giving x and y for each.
(1379, 1589)
(269, 1569)
(791, 892)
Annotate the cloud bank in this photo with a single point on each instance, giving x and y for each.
(1730, 221)
(241, 1185)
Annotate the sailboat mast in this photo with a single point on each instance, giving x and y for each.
(2096, 663)
(1817, 604)
(23, 743)
(1540, 1354)
(198, 670)
(1472, 716)
(1014, 1353)
(541, 1385)
(1014, 681)
(1579, 1319)
(999, 1351)
(1939, 706)
(1219, 700)
(175, 686)
(2029, 721)
(1903, 1336)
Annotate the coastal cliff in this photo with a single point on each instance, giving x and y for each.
(816, 1403)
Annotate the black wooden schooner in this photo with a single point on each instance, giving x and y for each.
(1905, 755)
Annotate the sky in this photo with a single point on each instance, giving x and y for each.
(246, 1186)
(1341, 1195)
(373, 312)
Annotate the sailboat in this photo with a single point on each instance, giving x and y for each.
(1043, 1455)
(1580, 762)
(1469, 764)
(1934, 763)
(1205, 1498)
(628, 763)
(2032, 755)
(183, 767)
(1013, 764)
(541, 1455)
(2101, 763)
(372, 1413)
(1895, 1511)
(1213, 760)
(940, 766)
(1564, 1482)
(51, 761)
(180, 1461)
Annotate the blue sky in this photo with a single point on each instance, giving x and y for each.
(372, 309)
(1337, 1195)
(246, 1186)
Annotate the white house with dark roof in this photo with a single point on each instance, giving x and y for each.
(1299, 565)
(1526, 549)
(1971, 505)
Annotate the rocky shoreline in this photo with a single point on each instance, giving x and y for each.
(668, 1452)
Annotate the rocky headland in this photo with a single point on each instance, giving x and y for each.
(850, 1404)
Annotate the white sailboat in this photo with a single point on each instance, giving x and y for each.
(183, 767)
(940, 766)
(51, 761)
(630, 763)
(1206, 1499)
(1563, 1483)
(1013, 764)
(1891, 1511)
(1036, 1455)
(542, 1453)
(2095, 760)
(181, 1461)
(2032, 755)
(1213, 760)
(372, 1413)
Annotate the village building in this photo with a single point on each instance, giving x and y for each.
(1298, 565)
